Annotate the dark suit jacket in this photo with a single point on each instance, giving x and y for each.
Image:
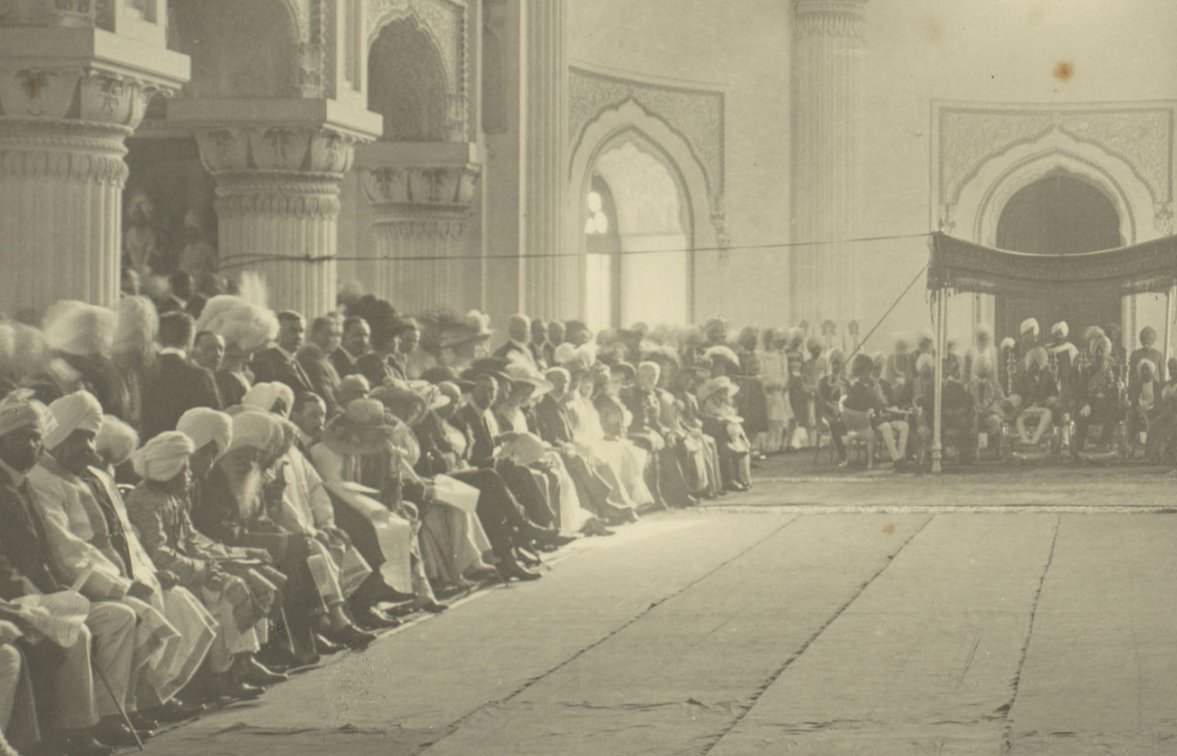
(379, 369)
(324, 379)
(343, 363)
(469, 420)
(24, 550)
(178, 387)
(552, 421)
(512, 351)
(271, 366)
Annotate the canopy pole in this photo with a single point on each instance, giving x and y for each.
(941, 345)
(1170, 304)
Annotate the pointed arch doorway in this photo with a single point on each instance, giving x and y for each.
(1058, 214)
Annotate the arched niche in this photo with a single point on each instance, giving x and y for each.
(629, 121)
(650, 277)
(407, 83)
(977, 211)
(238, 49)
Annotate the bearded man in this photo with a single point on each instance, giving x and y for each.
(97, 517)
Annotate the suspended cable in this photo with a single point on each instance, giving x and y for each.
(247, 258)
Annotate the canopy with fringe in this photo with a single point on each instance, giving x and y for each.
(959, 265)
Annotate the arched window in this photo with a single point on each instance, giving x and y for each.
(602, 248)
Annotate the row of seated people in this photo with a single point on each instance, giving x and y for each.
(1054, 394)
(301, 498)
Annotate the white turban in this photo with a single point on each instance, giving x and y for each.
(77, 411)
(116, 440)
(1029, 325)
(264, 396)
(162, 457)
(255, 430)
(78, 328)
(1060, 329)
(19, 410)
(564, 354)
(204, 425)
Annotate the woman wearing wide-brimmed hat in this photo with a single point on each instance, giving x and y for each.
(453, 540)
(362, 466)
(720, 421)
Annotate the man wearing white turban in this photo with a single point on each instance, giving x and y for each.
(158, 509)
(240, 503)
(61, 671)
(270, 397)
(89, 546)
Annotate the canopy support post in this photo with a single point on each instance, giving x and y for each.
(1170, 305)
(941, 325)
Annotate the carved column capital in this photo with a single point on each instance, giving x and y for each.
(308, 149)
(829, 18)
(71, 92)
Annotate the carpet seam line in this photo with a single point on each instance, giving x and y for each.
(780, 671)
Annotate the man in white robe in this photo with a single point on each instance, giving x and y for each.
(82, 548)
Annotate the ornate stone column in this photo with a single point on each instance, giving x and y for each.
(70, 94)
(277, 207)
(551, 285)
(826, 187)
(421, 196)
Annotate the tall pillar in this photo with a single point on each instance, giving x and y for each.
(550, 284)
(421, 195)
(70, 94)
(277, 202)
(826, 188)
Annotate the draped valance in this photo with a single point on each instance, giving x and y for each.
(963, 266)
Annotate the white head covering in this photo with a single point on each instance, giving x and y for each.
(1060, 329)
(1029, 325)
(19, 410)
(564, 353)
(255, 430)
(264, 396)
(203, 425)
(242, 324)
(78, 328)
(116, 440)
(162, 457)
(76, 411)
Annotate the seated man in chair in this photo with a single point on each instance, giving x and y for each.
(1036, 393)
(861, 397)
(1099, 396)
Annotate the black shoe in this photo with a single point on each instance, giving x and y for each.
(371, 618)
(432, 606)
(509, 568)
(113, 732)
(79, 743)
(351, 636)
(534, 532)
(177, 711)
(253, 672)
(563, 540)
(143, 722)
(227, 686)
(326, 646)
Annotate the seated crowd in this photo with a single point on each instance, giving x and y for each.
(1017, 396)
(197, 497)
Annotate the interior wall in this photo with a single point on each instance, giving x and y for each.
(743, 49)
(924, 50)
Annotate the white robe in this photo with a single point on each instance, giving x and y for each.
(174, 632)
(394, 533)
(306, 508)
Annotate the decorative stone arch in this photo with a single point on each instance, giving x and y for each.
(443, 23)
(984, 196)
(702, 211)
(630, 118)
(411, 83)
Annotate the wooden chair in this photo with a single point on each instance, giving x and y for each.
(859, 432)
